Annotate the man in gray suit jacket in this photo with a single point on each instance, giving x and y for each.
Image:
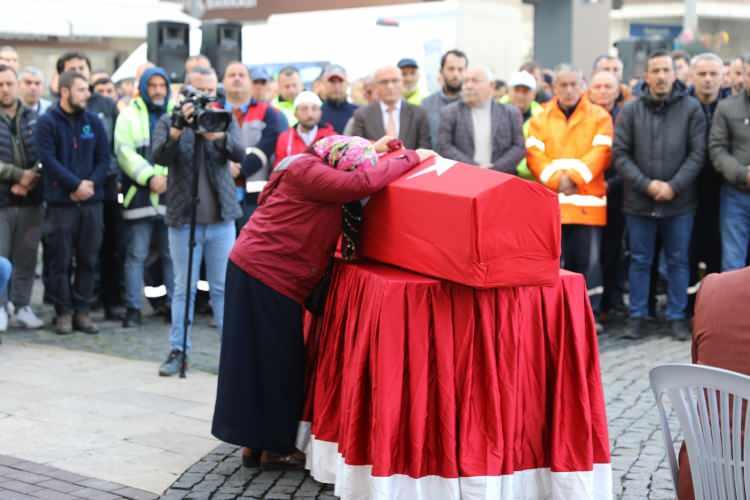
(391, 115)
(478, 131)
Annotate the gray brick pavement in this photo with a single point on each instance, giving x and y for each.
(23, 480)
(638, 460)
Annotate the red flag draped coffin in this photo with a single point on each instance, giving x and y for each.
(461, 223)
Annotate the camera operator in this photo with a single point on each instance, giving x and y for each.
(175, 146)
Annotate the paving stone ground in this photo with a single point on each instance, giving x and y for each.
(23, 480)
(640, 468)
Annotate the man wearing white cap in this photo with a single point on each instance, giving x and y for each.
(295, 140)
(522, 90)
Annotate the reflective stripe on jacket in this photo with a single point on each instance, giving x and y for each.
(133, 150)
(581, 148)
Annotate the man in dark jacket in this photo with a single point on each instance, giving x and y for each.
(174, 146)
(479, 131)
(453, 65)
(659, 151)
(705, 246)
(20, 200)
(111, 262)
(337, 110)
(730, 153)
(75, 155)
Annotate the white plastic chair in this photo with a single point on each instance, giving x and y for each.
(705, 400)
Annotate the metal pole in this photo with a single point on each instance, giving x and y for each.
(690, 21)
(198, 158)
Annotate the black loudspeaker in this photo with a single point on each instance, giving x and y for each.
(222, 44)
(169, 46)
(634, 53)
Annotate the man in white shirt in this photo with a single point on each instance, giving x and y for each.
(391, 115)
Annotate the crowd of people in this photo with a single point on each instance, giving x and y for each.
(652, 175)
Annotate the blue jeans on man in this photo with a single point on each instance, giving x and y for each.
(675, 234)
(735, 227)
(213, 244)
(5, 272)
(140, 235)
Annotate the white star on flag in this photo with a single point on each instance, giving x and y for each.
(441, 166)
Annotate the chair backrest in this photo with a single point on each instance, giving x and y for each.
(712, 407)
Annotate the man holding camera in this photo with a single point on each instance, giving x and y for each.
(175, 146)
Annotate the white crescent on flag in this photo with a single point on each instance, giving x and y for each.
(441, 166)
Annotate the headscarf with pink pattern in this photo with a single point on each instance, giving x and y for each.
(346, 153)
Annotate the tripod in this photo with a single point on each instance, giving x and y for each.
(198, 157)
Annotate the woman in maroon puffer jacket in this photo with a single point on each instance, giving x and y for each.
(280, 256)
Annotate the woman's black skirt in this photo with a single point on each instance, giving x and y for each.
(261, 389)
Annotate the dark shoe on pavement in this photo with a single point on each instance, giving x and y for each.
(634, 329)
(132, 318)
(276, 461)
(173, 363)
(113, 314)
(251, 458)
(82, 322)
(64, 324)
(680, 329)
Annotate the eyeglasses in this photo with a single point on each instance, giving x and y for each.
(393, 81)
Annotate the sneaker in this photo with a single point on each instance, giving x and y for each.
(172, 365)
(25, 318)
(633, 329)
(680, 329)
(132, 318)
(82, 322)
(3, 319)
(64, 324)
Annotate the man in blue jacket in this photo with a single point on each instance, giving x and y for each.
(74, 151)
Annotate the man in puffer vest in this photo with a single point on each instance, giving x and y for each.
(143, 185)
(568, 150)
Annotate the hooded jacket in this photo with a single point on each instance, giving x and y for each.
(660, 140)
(72, 148)
(730, 140)
(133, 134)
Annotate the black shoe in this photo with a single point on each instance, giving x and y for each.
(599, 327)
(172, 365)
(132, 318)
(680, 329)
(113, 314)
(634, 329)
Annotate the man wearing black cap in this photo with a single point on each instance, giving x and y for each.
(410, 74)
(337, 110)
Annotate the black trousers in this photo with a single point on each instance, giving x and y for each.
(581, 253)
(261, 387)
(614, 268)
(112, 256)
(73, 233)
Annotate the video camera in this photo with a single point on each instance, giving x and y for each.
(205, 117)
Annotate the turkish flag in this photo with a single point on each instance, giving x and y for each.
(465, 224)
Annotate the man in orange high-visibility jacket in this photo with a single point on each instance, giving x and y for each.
(568, 148)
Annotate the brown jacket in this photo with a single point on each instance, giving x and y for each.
(721, 337)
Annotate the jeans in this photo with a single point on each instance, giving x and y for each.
(213, 243)
(140, 234)
(735, 227)
(20, 231)
(5, 272)
(581, 253)
(675, 234)
(73, 234)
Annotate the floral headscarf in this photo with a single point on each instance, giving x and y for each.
(346, 153)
